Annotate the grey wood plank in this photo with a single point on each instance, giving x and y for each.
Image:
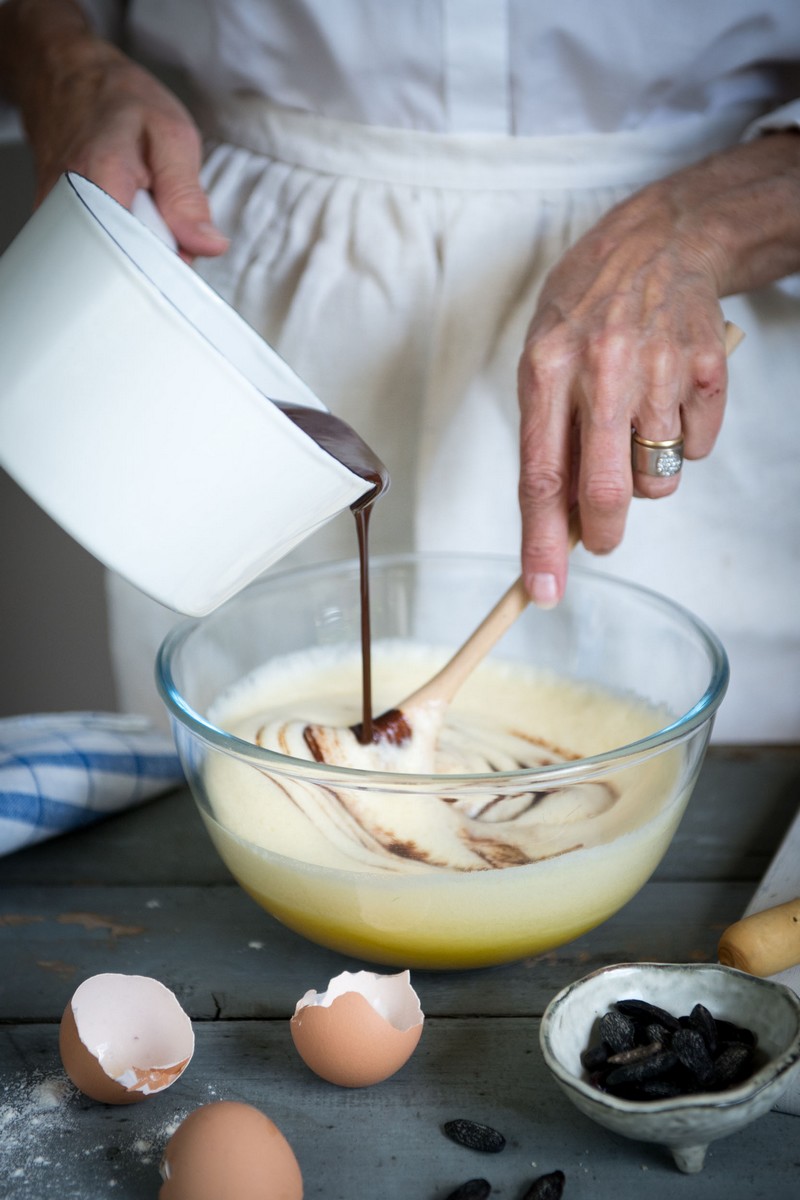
(224, 957)
(384, 1141)
(744, 801)
(163, 841)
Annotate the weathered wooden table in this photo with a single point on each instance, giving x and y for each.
(145, 893)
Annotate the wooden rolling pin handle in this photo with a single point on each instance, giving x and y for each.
(763, 943)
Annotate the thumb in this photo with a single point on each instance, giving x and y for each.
(187, 214)
(179, 197)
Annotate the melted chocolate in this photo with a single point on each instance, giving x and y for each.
(342, 442)
(391, 726)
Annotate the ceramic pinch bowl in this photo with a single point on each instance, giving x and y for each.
(686, 1124)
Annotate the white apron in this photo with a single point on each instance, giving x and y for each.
(397, 271)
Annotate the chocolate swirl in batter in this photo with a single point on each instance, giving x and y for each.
(483, 831)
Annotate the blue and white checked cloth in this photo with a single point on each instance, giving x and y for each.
(60, 771)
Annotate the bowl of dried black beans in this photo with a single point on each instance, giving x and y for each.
(679, 1055)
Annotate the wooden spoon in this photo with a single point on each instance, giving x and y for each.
(398, 724)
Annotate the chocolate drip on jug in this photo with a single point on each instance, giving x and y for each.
(342, 442)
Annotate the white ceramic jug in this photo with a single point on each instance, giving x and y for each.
(134, 408)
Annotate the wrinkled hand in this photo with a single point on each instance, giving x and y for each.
(103, 116)
(629, 334)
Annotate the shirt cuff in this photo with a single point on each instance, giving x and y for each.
(783, 118)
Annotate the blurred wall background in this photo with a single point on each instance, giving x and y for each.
(53, 651)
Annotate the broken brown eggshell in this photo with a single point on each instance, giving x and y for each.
(124, 1037)
(361, 1030)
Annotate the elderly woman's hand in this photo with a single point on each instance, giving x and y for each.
(628, 335)
(88, 108)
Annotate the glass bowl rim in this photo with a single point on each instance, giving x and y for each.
(557, 774)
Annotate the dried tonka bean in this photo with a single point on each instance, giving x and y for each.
(595, 1057)
(473, 1189)
(657, 1033)
(646, 1068)
(658, 1089)
(728, 1032)
(669, 1055)
(702, 1020)
(547, 1187)
(732, 1065)
(637, 1054)
(643, 1010)
(475, 1136)
(617, 1031)
(693, 1054)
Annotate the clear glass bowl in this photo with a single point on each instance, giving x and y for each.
(664, 668)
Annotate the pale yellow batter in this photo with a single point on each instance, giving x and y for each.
(392, 875)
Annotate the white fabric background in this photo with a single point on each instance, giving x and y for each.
(402, 300)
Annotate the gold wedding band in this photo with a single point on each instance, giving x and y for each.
(662, 459)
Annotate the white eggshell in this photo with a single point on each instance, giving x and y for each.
(124, 1037)
(229, 1151)
(361, 1030)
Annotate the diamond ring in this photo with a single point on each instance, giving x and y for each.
(662, 459)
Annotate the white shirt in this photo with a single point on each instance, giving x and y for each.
(524, 67)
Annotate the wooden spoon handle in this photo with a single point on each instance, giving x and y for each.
(444, 685)
(734, 336)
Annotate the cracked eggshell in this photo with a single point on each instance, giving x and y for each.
(124, 1037)
(361, 1030)
(229, 1149)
